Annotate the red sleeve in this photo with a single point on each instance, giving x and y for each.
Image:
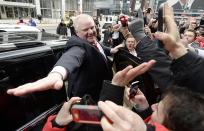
(158, 127)
(48, 125)
(146, 120)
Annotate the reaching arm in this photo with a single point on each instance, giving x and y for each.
(67, 63)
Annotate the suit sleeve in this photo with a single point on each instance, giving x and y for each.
(72, 58)
(106, 50)
(48, 125)
(160, 72)
(112, 93)
(188, 71)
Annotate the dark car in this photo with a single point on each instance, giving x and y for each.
(26, 57)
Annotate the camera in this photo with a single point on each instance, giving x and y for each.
(89, 114)
(86, 111)
(124, 20)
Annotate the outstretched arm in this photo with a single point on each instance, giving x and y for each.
(70, 60)
(52, 81)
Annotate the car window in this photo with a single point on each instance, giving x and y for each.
(22, 40)
(14, 37)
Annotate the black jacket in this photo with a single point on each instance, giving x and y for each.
(89, 76)
(117, 41)
(188, 72)
(160, 72)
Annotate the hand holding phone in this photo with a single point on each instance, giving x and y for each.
(161, 14)
(86, 114)
(133, 89)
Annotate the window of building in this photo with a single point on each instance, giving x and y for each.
(56, 4)
(71, 5)
(87, 6)
(56, 14)
(16, 12)
(9, 12)
(2, 10)
(23, 12)
(31, 1)
(45, 4)
(47, 13)
(22, 1)
(32, 12)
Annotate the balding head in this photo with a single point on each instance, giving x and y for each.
(85, 27)
(80, 19)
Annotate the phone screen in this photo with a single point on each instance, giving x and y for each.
(161, 18)
(161, 27)
(86, 114)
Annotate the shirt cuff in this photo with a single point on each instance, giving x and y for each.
(61, 70)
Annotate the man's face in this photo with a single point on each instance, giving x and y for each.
(158, 114)
(130, 43)
(86, 30)
(189, 36)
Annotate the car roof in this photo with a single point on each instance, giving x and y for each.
(17, 28)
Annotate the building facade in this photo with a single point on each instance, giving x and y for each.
(56, 9)
(13, 9)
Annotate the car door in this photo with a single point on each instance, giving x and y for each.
(23, 64)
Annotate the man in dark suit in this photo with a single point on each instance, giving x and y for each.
(182, 5)
(84, 64)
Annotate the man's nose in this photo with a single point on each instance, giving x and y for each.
(90, 31)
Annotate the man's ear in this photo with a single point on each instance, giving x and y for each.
(75, 31)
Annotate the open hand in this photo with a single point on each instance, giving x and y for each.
(122, 78)
(52, 81)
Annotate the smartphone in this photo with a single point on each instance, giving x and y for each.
(161, 18)
(86, 114)
(161, 27)
(133, 89)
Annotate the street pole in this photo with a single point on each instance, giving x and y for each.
(121, 6)
(80, 7)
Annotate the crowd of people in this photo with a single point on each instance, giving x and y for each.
(191, 31)
(30, 22)
(176, 69)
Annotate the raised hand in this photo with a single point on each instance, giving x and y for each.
(139, 99)
(64, 117)
(136, 27)
(171, 38)
(122, 119)
(122, 78)
(52, 81)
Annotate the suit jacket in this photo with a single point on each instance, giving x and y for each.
(89, 76)
(160, 72)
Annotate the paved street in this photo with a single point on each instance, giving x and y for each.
(50, 28)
